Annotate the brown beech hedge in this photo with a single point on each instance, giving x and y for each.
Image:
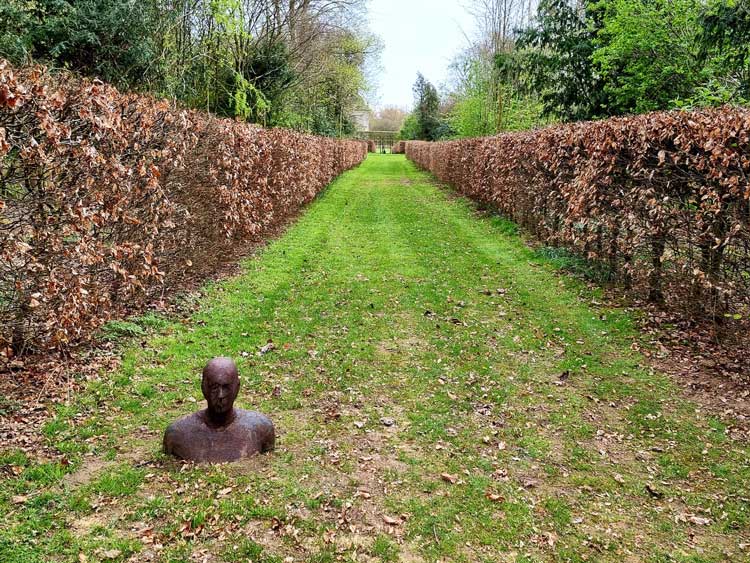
(106, 199)
(660, 201)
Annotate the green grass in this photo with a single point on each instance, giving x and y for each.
(391, 298)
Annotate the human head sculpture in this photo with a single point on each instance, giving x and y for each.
(221, 432)
(220, 386)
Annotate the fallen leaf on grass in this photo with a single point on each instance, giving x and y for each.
(332, 415)
(653, 492)
(494, 497)
(391, 521)
(145, 532)
(265, 349)
(19, 499)
(187, 530)
(699, 520)
(448, 478)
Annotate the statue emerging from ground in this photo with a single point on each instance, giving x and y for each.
(220, 432)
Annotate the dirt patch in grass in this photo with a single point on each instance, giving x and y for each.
(724, 394)
(85, 525)
(403, 347)
(86, 472)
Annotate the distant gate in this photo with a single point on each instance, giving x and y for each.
(384, 140)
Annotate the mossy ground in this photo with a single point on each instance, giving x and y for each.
(441, 392)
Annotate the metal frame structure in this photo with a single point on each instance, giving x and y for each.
(384, 140)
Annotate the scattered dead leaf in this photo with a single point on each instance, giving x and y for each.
(494, 497)
(391, 521)
(448, 478)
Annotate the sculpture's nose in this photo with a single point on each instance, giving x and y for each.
(222, 393)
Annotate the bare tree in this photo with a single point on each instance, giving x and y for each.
(497, 23)
(498, 20)
(390, 118)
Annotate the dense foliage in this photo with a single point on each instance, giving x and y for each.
(533, 63)
(107, 198)
(111, 39)
(288, 63)
(660, 200)
(602, 58)
(557, 51)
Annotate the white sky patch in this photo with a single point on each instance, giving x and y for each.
(419, 36)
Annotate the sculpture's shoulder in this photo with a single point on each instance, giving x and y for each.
(190, 437)
(183, 429)
(252, 418)
(187, 423)
(257, 425)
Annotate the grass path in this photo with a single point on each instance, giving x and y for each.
(441, 393)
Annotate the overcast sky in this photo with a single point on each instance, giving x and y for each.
(419, 36)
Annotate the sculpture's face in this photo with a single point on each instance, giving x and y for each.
(221, 384)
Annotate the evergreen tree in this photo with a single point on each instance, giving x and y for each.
(558, 60)
(427, 109)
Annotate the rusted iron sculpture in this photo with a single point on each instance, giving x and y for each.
(220, 433)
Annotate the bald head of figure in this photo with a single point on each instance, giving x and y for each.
(220, 386)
